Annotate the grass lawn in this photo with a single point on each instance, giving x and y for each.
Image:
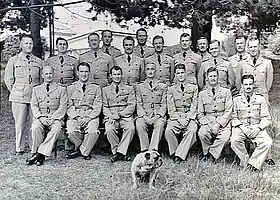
(61, 179)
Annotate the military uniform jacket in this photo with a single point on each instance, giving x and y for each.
(65, 72)
(182, 104)
(253, 113)
(192, 62)
(147, 51)
(52, 104)
(100, 66)
(262, 71)
(206, 56)
(226, 74)
(151, 101)
(113, 51)
(237, 58)
(165, 69)
(122, 103)
(21, 75)
(214, 108)
(84, 104)
(133, 72)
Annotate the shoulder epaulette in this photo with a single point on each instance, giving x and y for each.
(72, 56)
(119, 56)
(204, 60)
(226, 59)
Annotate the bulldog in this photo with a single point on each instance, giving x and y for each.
(144, 167)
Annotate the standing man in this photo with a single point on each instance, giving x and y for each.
(182, 109)
(250, 119)
(202, 47)
(226, 74)
(163, 62)
(48, 104)
(84, 108)
(214, 114)
(100, 62)
(65, 66)
(142, 50)
(22, 73)
(107, 38)
(132, 65)
(151, 109)
(118, 107)
(191, 60)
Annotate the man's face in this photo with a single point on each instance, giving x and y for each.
(141, 37)
(158, 45)
(214, 49)
(181, 75)
(48, 74)
(212, 78)
(248, 85)
(83, 73)
(202, 45)
(61, 46)
(116, 76)
(253, 48)
(240, 45)
(26, 45)
(93, 41)
(107, 38)
(150, 70)
(185, 43)
(128, 46)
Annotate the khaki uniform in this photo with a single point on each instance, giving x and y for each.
(214, 109)
(205, 56)
(165, 69)
(245, 117)
(21, 75)
(192, 62)
(113, 51)
(83, 104)
(119, 104)
(99, 66)
(226, 73)
(147, 51)
(181, 105)
(150, 102)
(65, 68)
(53, 105)
(237, 58)
(262, 71)
(133, 71)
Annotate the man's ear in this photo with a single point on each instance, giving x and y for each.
(148, 156)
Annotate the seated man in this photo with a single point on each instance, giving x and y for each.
(48, 104)
(84, 107)
(118, 106)
(151, 109)
(250, 119)
(214, 114)
(182, 109)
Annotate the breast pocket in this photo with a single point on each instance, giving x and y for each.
(223, 73)
(256, 110)
(191, 67)
(220, 104)
(19, 70)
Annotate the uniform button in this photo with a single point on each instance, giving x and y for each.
(48, 102)
(48, 95)
(249, 111)
(97, 66)
(248, 105)
(29, 69)
(160, 70)
(184, 101)
(128, 70)
(214, 99)
(62, 72)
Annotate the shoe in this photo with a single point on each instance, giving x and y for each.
(87, 157)
(252, 168)
(40, 160)
(19, 153)
(269, 161)
(126, 158)
(32, 159)
(74, 154)
(178, 160)
(172, 156)
(116, 157)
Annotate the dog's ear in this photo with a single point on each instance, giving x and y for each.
(147, 156)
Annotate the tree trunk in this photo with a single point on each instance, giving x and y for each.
(35, 24)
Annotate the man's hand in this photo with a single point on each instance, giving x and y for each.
(148, 120)
(184, 122)
(116, 116)
(84, 121)
(215, 128)
(44, 121)
(155, 118)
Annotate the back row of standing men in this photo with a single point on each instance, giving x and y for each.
(23, 73)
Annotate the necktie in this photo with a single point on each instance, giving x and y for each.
(240, 57)
(61, 59)
(213, 91)
(28, 57)
(48, 87)
(215, 61)
(107, 51)
(117, 89)
(142, 51)
(128, 58)
(184, 54)
(254, 61)
(84, 87)
(159, 60)
(182, 88)
(95, 54)
(248, 98)
(151, 84)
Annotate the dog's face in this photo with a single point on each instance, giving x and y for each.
(153, 159)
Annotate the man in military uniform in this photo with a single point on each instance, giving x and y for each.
(107, 38)
(48, 104)
(118, 108)
(151, 109)
(132, 65)
(22, 73)
(214, 114)
(100, 62)
(182, 110)
(142, 50)
(84, 108)
(65, 66)
(226, 74)
(191, 60)
(250, 119)
(163, 62)
(202, 47)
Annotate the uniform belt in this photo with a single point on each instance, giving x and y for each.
(215, 114)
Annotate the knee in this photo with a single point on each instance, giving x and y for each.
(202, 131)
(36, 125)
(130, 127)
(139, 122)
(168, 132)
(109, 129)
(193, 127)
(56, 127)
(268, 141)
(160, 123)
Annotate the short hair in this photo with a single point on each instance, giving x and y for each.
(129, 38)
(150, 63)
(247, 76)
(61, 38)
(158, 37)
(116, 68)
(48, 66)
(92, 34)
(141, 29)
(252, 39)
(202, 38)
(180, 66)
(212, 69)
(83, 64)
(107, 30)
(185, 35)
(214, 41)
(26, 36)
(240, 37)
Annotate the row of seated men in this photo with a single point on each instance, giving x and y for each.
(22, 72)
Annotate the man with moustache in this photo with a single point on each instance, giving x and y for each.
(142, 50)
(107, 38)
(202, 47)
